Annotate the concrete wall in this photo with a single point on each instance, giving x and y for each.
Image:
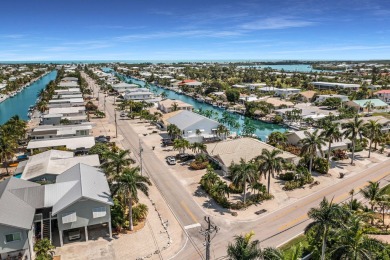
(16, 245)
(83, 211)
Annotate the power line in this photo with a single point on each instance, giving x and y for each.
(207, 235)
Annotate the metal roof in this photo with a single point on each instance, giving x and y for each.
(185, 119)
(14, 211)
(71, 143)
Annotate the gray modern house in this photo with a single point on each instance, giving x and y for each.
(79, 200)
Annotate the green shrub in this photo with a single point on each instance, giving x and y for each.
(288, 176)
(235, 190)
(321, 165)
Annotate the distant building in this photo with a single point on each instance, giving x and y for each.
(363, 105)
(384, 95)
(123, 87)
(322, 98)
(333, 85)
(166, 105)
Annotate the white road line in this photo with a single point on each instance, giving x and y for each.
(192, 226)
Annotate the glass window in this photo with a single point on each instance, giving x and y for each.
(69, 217)
(13, 237)
(99, 212)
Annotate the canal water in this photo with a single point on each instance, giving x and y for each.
(263, 130)
(19, 104)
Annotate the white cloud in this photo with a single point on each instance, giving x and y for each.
(276, 23)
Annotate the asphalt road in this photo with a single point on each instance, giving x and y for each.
(272, 229)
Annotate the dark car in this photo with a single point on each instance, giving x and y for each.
(167, 142)
(185, 157)
(101, 139)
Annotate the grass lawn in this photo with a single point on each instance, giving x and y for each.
(288, 247)
(384, 114)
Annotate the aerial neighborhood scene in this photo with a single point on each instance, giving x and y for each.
(242, 130)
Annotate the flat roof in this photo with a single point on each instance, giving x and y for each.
(71, 143)
(66, 110)
(67, 100)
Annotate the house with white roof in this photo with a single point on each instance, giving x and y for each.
(48, 165)
(167, 105)
(194, 127)
(322, 98)
(71, 143)
(123, 87)
(335, 85)
(67, 102)
(68, 84)
(138, 94)
(60, 131)
(80, 199)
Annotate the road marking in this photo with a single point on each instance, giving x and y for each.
(293, 222)
(341, 198)
(188, 211)
(192, 226)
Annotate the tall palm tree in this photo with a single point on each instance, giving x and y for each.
(373, 132)
(243, 173)
(181, 145)
(220, 188)
(352, 130)
(198, 147)
(222, 131)
(369, 105)
(173, 131)
(175, 106)
(8, 147)
(372, 193)
(325, 218)
(270, 163)
(332, 134)
(209, 179)
(311, 145)
(116, 161)
(128, 184)
(353, 242)
(243, 248)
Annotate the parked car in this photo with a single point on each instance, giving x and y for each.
(123, 114)
(101, 139)
(74, 234)
(171, 160)
(167, 142)
(185, 157)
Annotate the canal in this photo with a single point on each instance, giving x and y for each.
(263, 130)
(19, 104)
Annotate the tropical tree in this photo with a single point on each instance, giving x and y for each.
(325, 218)
(372, 193)
(43, 249)
(243, 173)
(222, 131)
(243, 248)
(209, 179)
(369, 105)
(128, 184)
(332, 134)
(181, 145)
(8, 147)
(173, 131)
(277, 139)
(269, 163)
(116, 161)
(353, 243)
(248, 129)
(373, 132)
(175, 106)
(220, 189)
(311, 145)
(198, 147)
(352, 130)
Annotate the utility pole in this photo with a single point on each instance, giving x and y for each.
(116, 125)
(207, 235)
(140, 155)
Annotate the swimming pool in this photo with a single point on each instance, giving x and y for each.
(18, 175)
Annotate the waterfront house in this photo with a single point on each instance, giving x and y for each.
(280, 92)
(333, 85)
(166, 106)
(68, 102)
(70, 143)
(190, 82)
(248, 98)
(277, 103)
(66, 91)
(123, 87)
(3, 86)
(238, 86)
(307, 96)
(363, 105)
(194, 127)
(80, 199)
(48, 165)
(68, 84)
(138, 94)
(254, 86)
(74, 79)
(75, 115)
(384, 95)
(60, 131)
(383, 121)
(322, 98)
(231, 151)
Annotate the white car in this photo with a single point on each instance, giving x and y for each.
(171, 160)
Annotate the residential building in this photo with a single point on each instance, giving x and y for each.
(123, 87)
(277, 103)
(69, 102)
(48, 165)
(78, 200)
(384, 95)
(333, 85)
(232, 151)
(167, 105)
(194, 127)
(363, 105)
(60, 131)
(383, 121)
(307, 96)
(322, 98)
(71, 143)
(68, 84)
(138, 94)
(280, 92)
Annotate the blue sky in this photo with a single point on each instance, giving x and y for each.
(194, 30)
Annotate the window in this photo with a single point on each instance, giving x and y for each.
(99, 212)
(13, 237)
(69, 217)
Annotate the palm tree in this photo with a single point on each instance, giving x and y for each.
(372, 193)
(243, 173)
(8, 147)
(128, 184)
(270, 163)
(373, 132)
(220, 189)
(353, 243)
(325, 218)
(222, 131)
(332, 134)
(209, 179)
(198, 147)
(181, 145)
(311, 145)
(173, 131)
(243, 248)
(175, 106)
(116, 161)
(277, 139)
(353, 129)
(369, 105)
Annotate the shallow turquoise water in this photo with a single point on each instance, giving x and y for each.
(19, 104)
(19, 175)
